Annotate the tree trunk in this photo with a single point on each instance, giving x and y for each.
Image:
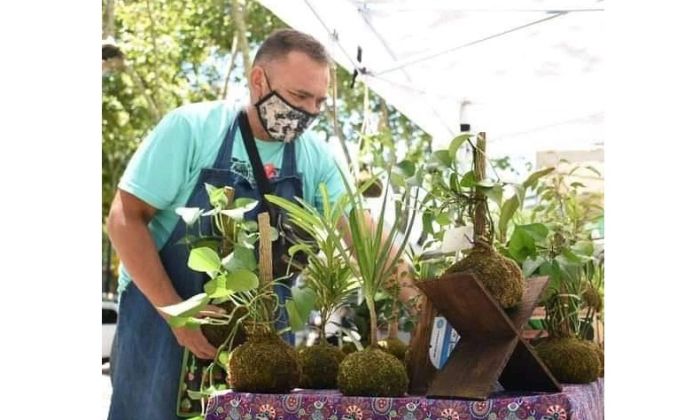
(156, 64)
(238, 11)
(108, 19)
(234, 54)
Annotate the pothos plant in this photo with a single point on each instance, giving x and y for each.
(452, 188)
(556, 239)
(227, 257)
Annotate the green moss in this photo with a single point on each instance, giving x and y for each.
(592, 298)
(319, 366)
(599, 352)
(372, 372)
(264, 363)
(349, 348)
(569, 359)
(500, 276)
(394, 346)
(217, 334)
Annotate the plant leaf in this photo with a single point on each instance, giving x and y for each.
(295, 321)
(408, 168)
(507, 211)
(241, 258)
(495, 193)
(442, 157)
(189, 214)
(187, 307)
(223, 358)
(304, 299)
(216, 287)
(468, 180)
(443, 219)
(456, 143)
(238, 213)
(241, 281)
(204, 259)
(583, 248)
(531, 265)
(531, 180)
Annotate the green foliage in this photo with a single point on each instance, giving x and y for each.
(327, 273)
(558, 242)
(377, 248)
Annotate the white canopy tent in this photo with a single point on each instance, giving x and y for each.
(527, 72)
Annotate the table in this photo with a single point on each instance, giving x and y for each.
(576, 402)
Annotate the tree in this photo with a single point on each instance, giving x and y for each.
(192, 51)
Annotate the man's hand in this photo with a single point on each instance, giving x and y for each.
(193, 340)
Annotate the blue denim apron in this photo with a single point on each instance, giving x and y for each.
(148, 358)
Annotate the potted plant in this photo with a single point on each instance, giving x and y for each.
(264, 363)
(556, 240)
(461, 197)
(328, 276)
(372, 371)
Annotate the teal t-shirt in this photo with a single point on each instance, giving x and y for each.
(165, 168)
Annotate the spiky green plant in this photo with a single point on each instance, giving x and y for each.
(327, 274)
(376, 247)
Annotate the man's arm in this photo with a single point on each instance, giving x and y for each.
(408, 292)
(127, 226)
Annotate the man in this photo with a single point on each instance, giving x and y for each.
(288, 84)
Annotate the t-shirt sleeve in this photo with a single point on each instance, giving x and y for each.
(160, 165)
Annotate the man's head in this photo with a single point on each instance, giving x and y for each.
(289, 82)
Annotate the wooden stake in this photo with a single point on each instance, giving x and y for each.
(421, 370)
(265, 244)
(227, 247)
(480, 175)
(229, 192)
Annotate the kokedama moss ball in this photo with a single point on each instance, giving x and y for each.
(599, 352)
(592, 298)
(319, 366)
(569, 359)
(217, 334)
(349, 348)
(500, 276)
(264, 363)
(372, 372)
(394, 346)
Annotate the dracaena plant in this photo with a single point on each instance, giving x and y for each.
(327, 274)
(377, 247)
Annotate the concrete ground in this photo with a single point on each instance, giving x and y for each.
(106, 390)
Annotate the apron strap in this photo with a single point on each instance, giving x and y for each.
(289, 161)
(223, 158)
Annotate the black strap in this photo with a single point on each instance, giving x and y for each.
(255, 162)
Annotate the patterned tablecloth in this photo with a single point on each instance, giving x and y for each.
(576, 402)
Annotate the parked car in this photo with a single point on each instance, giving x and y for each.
(109, 326)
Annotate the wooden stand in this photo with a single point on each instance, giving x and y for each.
(490, 346)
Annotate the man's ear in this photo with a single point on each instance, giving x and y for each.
(257, 80)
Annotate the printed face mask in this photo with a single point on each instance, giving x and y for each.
(282, 121)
